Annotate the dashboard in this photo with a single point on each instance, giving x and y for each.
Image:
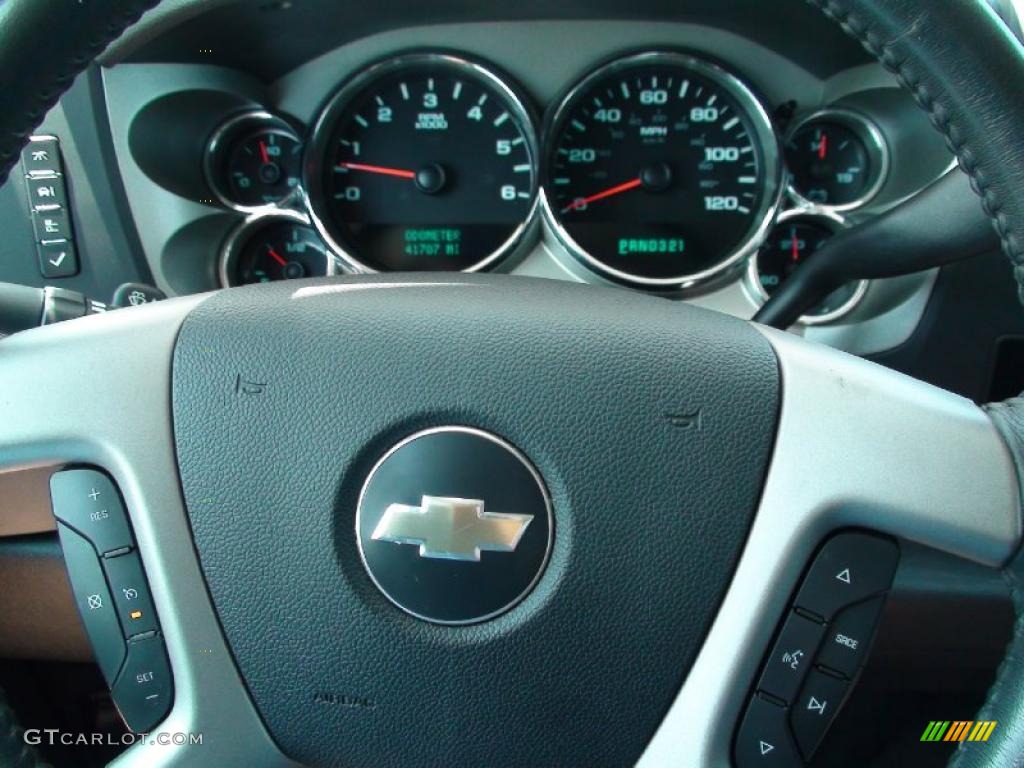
(690, 153)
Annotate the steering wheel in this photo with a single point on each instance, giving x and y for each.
(686, 464)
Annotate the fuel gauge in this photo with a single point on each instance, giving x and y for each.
(837, 160)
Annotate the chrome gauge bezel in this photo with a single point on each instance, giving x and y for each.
(752, 277)
(221, 140)
(874, 142)
(765, 136)
(241, 233)
(318, 147)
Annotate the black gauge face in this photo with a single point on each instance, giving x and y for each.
(830, 164)
(282, 251)
(263, 167)
(427, 164)
(788, 245)
(658, 170)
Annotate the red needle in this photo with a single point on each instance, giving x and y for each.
(618, 188)
(263, 152)
(794, 248)
(823, 146)
(277, 256)
(399, 172)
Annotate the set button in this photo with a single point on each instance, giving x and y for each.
(143, 690)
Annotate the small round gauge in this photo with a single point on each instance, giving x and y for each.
(274, 247)
(792, 241)
(837, 159)
(424, 162)
(661, 170)
(253, 161)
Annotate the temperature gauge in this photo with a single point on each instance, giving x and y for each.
(254, 160)
(274, 247)
(796, 237)
(837, 160)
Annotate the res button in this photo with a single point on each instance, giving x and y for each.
(87, 501)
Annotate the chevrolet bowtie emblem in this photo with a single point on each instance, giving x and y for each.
(451, 529)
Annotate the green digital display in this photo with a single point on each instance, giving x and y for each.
(437, 241)
(657, 245)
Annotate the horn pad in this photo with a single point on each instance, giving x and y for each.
(649, 424)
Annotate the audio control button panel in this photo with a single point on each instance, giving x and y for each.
(818, 651)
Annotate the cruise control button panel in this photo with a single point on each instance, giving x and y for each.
(113, 597)
(818, 651)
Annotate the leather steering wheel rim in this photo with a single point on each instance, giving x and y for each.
(971, 99)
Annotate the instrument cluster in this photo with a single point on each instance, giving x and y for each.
(658, 170)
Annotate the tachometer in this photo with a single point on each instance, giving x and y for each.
(661, 170)
(424, 162)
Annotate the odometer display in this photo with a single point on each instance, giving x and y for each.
(426, 162)
(661, 170)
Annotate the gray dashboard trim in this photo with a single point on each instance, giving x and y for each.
(858, 445)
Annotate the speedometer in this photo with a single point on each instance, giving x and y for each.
(423, 162)
(661, 170)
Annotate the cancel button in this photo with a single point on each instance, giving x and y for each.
(849, 636)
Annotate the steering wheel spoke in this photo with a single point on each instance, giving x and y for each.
(858, 446)
(97, 392)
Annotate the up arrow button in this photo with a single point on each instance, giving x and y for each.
(829, 585)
